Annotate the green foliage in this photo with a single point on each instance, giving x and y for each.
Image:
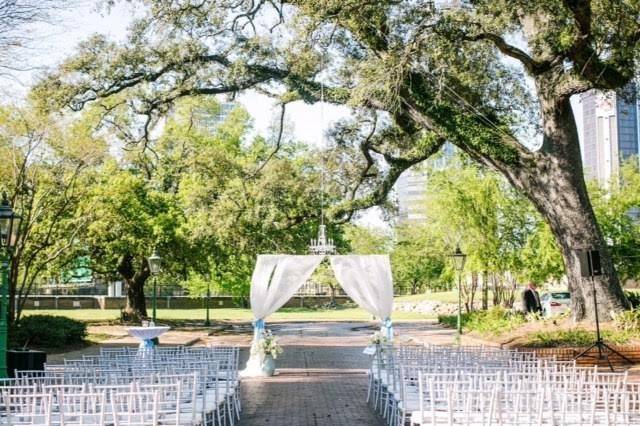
(179, 316)
(204, 193)
(628, 321)
(47, 331)
(434, 75)
(616, 206)
(497, 321)
(575, 337)
(128, 217)
(494, 321)
(418, 261)
(241, 197)
(49, 171)
(634, 298)
(540, 257)
(504, 237)
(363, 240)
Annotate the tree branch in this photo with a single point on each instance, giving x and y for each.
(397, 165)
(602, 74)
(531, 65)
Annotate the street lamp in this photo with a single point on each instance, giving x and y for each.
(9, 229)
(207, 322)
(154, 266)
(459, 259)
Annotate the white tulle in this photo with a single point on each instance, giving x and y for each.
(367, 280)
(276, 278)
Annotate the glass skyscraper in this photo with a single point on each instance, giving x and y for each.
(611, 131)
(411, 187)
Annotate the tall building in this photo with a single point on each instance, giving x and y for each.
(411, 192)
(610, 131)
(411, 187)
(209, 120)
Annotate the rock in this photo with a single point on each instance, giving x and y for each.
(427, 307)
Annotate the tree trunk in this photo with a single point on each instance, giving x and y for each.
(474, 288)
(555, 184)
(332, 302)
(496, 292)
(485, 291)
(136, 306)
(12, 291)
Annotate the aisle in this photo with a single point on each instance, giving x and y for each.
(317, 385)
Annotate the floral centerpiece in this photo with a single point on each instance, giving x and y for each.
(269, 349)
(379, 339)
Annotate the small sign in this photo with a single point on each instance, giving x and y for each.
(369, 350)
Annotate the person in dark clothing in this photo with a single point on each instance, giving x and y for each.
(531, 299)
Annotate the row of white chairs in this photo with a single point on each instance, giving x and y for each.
(166, 386)
(434, 385)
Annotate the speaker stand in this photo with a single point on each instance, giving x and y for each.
(604, 350)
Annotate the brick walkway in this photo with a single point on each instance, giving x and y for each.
(315, 386)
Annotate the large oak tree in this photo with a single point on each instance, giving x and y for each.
(484, 76)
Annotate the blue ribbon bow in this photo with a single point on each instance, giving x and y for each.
(258, 329)
(387, 325)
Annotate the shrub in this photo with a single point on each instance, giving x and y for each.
(550, 339)
(627, 320)
(575, 337)
(48, 331)
(496, 320)
(634, 298)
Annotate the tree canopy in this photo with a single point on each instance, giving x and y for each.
(485, 76)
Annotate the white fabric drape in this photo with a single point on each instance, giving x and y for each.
(368, 281)
(276, 279)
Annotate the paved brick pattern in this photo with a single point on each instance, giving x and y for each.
(315, 386)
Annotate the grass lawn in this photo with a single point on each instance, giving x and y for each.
(228, 314)
(441, 296)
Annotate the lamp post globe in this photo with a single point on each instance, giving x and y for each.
(9, 233)
(9, 225)
(459, 260)
(155, 262)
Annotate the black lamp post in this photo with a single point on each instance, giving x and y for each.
(154, 266)
(459, 259)
(207, 321)
(9, 230)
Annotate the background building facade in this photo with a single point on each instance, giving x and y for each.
(411, 187)
(610, 131)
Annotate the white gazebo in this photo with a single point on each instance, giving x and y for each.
(365, 278)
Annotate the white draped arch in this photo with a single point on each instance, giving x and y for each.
(366, 279)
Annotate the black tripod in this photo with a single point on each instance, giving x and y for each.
(604, 350)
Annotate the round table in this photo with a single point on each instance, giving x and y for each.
(146, 335)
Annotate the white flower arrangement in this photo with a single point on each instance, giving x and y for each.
(268, 345)
(379, 338)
